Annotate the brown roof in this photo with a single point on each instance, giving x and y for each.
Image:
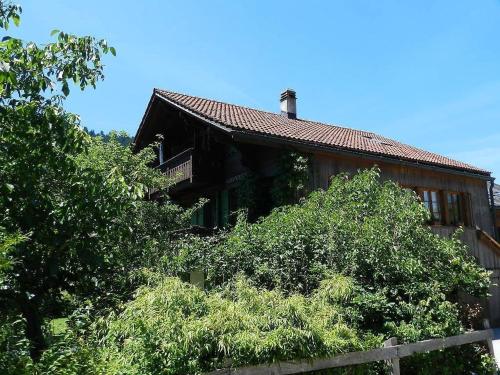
(236, 117)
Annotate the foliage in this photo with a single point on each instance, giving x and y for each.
(68, 354)
(14, 347)
(175, 328)
(31, 73)
(122, 137)
(408, 279)
(338, 272)
(292, 180)
(7, 243)
(69, 209)
(79, 232)
(466, 359)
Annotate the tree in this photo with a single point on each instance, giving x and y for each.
(64, 210)
(122, 137)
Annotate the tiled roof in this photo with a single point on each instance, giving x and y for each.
(266, 123)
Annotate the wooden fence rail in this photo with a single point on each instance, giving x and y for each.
(391, 352)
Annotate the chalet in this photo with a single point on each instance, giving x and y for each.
(212, 149)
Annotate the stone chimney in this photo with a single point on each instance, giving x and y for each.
(288, 104)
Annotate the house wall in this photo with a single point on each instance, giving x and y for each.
(327, 165)
(486, 252)
(488, 255)
(497, 219)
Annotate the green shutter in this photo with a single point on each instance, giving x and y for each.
(197, 217)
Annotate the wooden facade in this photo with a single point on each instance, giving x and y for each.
(497, 220)
(475, 201)
(207, 162)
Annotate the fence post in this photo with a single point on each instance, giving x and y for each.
(489, 342)
(393, 363)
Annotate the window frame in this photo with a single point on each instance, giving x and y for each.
(460, 209)
(432, 203)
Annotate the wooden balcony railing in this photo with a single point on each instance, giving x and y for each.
(181, 172)
(180, 167)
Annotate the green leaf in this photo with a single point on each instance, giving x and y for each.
(54, 32)
(65, 89)
(113, 51)
(16, 19)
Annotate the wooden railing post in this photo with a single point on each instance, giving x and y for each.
(489, 341)
(190, 168)
(394, 362)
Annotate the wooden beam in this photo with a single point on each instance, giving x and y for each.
(393, 363)
(388, 353)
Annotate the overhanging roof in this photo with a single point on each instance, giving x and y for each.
(230, 117)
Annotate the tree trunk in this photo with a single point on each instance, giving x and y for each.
(34, 331)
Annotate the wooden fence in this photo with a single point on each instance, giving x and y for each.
(391, 352)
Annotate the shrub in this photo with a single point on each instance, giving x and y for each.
(407, 278)
(175, 328)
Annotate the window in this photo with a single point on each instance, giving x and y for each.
(431, 201)
(455, 208)
(447, 207)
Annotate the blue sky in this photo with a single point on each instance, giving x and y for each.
(426, 73)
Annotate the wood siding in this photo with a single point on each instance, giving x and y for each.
(327, 165)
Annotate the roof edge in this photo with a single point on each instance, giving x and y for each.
(139, 130)
(346, 151)
(237, 133)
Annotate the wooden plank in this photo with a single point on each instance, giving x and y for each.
(442, 343)
(356, 358)
(284, 368)
(489, 340)
(393, 363)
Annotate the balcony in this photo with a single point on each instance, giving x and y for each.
(180, 167)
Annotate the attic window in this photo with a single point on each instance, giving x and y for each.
(378, 141)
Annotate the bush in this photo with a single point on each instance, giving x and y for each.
(407, 278)
(175, 328)
(14, 347)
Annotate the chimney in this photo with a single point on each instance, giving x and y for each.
(288, 104)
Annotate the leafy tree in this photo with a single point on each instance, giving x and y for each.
(142, 233)
(42, 74)
(66, 209)
(122, 137)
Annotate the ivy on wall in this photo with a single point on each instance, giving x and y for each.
(292, 182)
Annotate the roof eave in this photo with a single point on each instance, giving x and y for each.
(313, 146)
(143, 120)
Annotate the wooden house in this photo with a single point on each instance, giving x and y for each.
(211, 148)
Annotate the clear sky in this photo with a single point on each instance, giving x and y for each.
(426, 73)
